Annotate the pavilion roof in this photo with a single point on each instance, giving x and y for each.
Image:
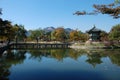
(94, 29)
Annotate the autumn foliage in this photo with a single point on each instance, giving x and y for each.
(59, 34)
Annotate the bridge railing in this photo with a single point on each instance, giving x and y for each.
(39, 45)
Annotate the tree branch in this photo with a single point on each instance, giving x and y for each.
(110, 9)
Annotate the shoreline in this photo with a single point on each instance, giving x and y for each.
(93, 47)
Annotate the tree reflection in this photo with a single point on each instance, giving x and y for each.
(16, 57)
(115, 57)
(4, 69)
(75, 54)
(94, 56)
(58, 54)
(94, 59)
(38, 54)
(6, 61)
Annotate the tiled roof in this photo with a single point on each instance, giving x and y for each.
(94, 29)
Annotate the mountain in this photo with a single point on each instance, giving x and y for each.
(49, 29)
(68, 30)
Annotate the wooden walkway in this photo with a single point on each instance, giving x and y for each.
(39, 45)
(34, 46)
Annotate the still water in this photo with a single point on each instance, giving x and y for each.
(60, 64)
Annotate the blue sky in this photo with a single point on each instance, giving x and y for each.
(34, 14)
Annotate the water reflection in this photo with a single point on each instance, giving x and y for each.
(58, 54)
(6, 61)
(93, 57)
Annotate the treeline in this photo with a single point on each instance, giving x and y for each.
(58, 34)
(62, 34)
(9, 32)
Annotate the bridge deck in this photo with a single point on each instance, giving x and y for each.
(38, 45)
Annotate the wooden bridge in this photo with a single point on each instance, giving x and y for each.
(34, 46)
(39, 45)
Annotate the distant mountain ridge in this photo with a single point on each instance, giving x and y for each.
(68, 30)
(50, 29)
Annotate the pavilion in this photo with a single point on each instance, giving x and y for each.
(94, 34)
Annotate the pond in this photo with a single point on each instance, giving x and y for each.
(60, 64)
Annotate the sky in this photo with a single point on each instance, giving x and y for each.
(34, 14)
